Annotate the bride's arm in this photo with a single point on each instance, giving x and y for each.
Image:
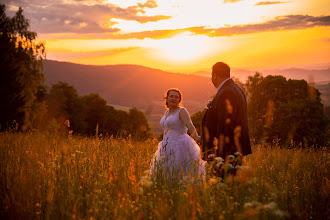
(185, 117)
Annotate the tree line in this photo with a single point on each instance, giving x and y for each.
(91, 115)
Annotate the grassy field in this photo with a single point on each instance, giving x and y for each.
(43, 176)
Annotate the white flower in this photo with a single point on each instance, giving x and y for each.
(271, 205)
(280, 213)
(219, 159)
(238, 154)
(230, 166)
(219, 164)
(231, 157)
(248, 204)
(211, 156)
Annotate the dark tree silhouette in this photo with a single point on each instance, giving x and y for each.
(21, 79)
(64, 104)
(285, 110)
(94, 107)
(138, 124)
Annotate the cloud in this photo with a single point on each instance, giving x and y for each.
(148, 4)
(156, 34)
(231, 1)
(80, 16)
(288, 22)
(269, 3)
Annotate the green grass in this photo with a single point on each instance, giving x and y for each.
(49, 177)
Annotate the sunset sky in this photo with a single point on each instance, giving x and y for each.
(182, 35)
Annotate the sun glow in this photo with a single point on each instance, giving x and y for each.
(182, 47)
(136, 33)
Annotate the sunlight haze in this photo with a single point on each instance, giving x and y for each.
(183, 36)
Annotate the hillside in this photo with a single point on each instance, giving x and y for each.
(132, 86)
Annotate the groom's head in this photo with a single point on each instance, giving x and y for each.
(220, 72)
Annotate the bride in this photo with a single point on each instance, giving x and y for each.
(177, 154)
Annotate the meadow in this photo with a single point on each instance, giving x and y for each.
(52, 177)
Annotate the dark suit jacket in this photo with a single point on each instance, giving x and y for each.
(225, 123)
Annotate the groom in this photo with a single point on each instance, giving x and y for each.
(225, 123)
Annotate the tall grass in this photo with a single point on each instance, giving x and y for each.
(52, 177)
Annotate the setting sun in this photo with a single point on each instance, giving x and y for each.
(181, 48)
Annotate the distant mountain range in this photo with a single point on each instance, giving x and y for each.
(127, 86)
(319, 76)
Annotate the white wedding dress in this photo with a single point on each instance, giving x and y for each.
(177, 154)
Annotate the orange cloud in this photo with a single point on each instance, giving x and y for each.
(269, 3)
(288, 22)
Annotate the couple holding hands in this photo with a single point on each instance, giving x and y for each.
(224, 129)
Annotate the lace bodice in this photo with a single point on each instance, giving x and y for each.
(173, 126)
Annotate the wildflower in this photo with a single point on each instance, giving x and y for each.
(219, 164)
(248, 204)
(279, 213)
(230, 166)
(238, 154)
(219, 159)
(231, 157)
(211, 156)
(271, 205)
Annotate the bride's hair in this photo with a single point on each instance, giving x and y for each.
(175, 90)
